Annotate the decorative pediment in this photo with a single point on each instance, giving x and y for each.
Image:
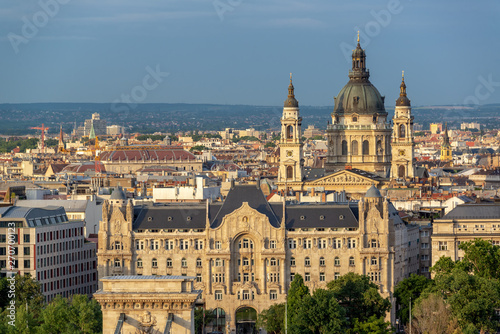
(246, 217)
(344, 177)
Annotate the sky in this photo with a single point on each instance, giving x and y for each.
(242, 51)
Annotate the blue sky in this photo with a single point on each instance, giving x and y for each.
(242, 51)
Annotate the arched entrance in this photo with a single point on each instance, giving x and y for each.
(219, 320)
(246, 318)
(401, 171)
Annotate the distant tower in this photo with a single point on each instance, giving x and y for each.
(291, 162)
(402, 137)
(446, 146)
(60, 146)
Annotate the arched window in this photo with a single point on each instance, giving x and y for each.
(374, 261)
(218, 262)
(273, 261)
(289, 172)
(117, 263)
(198, 262)
(322, 261)
(245, 261)
(374, 243)
(184, 263)
(307, 262)
(139, 263)
(336, 261)
(354, 118)
(154, 263)
(351, 261)
(354, 147)
(289, 132)
(402, 131)
(117, 245)
(366, 147)
(169, 263)
(344, 147)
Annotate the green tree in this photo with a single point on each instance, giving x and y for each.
(318, 137)
(27, 292)
(321, 313)
(409, 289)
(481, 258)
(51, 142)
(373, 325)
(298, 291)
(273, 319)
(85, 315)
(198, 148)
(270, 144)
(359, 297)
(55, 317)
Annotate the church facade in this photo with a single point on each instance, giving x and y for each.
(245, 251)
(364, 148)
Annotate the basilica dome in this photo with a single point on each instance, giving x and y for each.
(359, 95)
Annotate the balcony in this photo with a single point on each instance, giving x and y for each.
(360, 127)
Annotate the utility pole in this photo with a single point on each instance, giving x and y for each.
(410, 315)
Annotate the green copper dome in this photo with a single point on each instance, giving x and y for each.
(359, 95)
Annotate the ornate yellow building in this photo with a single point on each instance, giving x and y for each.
(244, 252)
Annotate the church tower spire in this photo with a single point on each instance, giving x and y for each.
(291, 162)
(446, 152)
(402, 147)
(359, 71)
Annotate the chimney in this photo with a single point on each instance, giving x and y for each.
(258, 182)
(232, 183)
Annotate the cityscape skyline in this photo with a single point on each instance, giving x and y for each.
(237, 52)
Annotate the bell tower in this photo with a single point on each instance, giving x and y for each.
(446, 154)
(402, 137)
(291, 162)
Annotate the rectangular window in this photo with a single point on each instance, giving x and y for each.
(337, 243)
(272, 244)
(169, 244)
(218, 245)
(26, 264)
(26, 251)
(292, 276)
(273, 294)
(218, 294)
(307, 277)
(307, 243)
(321, 277)
(443, 245)
(351, 243)
(424, 245)
(292, 244)
(321, 243)
(198, 244)
(198, 278)
(3, 238)
(425, 257)
(26, 238)
(139, 244)
(245, 277)
(336, 276)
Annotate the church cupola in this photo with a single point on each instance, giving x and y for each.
(359, 71)
(402, 100)
(291, 101)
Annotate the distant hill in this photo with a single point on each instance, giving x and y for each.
(15, 119)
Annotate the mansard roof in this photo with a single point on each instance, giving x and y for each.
(474, 211)
(193, 216)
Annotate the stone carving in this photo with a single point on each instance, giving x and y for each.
(147, 323)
